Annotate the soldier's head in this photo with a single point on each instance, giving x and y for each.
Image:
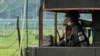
(72, 16)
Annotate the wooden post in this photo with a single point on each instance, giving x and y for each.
(19, 36)
(55, 28)
(41, 27)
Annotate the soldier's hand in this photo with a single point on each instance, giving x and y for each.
(61, 38)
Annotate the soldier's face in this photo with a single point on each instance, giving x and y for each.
(69, 19)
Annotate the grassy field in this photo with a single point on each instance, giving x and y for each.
(9, 44)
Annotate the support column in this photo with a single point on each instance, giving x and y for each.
(55, 29)
(41, 27)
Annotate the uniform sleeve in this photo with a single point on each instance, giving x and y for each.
(78, 34)
(81, 35)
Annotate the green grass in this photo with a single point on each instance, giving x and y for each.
(9, 45)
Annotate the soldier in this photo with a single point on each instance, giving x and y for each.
(72, 32)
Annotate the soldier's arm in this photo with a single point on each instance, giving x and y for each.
(63, 30)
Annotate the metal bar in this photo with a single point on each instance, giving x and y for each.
(62, 9)
(41, 24)
(18, 30)
(26, 17)
(19, 36)
(55, 28)
(40, 27)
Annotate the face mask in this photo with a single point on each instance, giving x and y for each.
(69, 23)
